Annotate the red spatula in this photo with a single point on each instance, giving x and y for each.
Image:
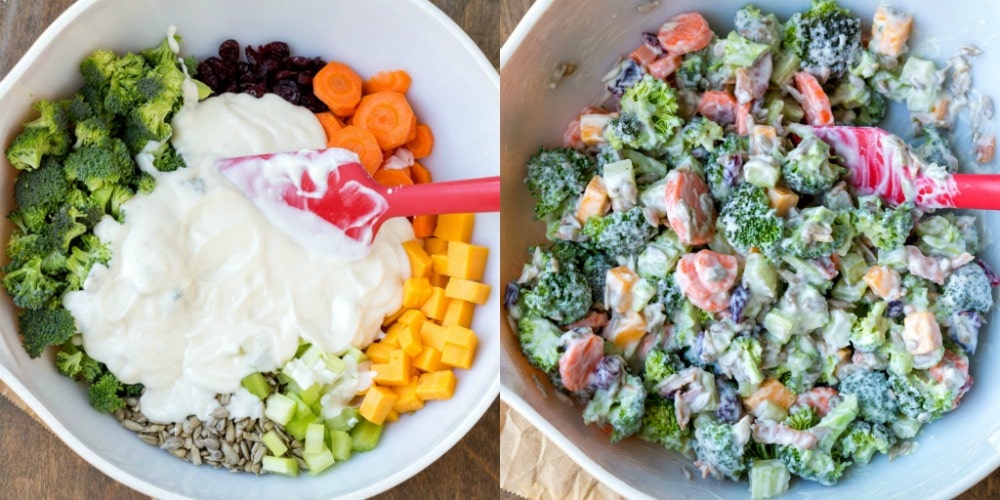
(881, 163)
(331, 185)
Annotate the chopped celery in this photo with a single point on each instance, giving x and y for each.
(779, 326)
(768, 478)
(274, 443)
(356, 354)
(307, 396)
(318, 461)
(312, 355)
(364, 435)
(768, 410)
(279, 408)
(340, 445)
(335, 364)
(853, 267)
(345, 421)
(257, 385)
(315, 438)
(298, 426)
(278, 465)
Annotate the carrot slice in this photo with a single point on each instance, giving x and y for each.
(684, 33)
(413, 129)
(420, 173)
(423, 143)
(392, 81)
(664, 66)
(392, 177)
(330, 123)
(388, 116)
(815, 103)
(689, 217)
(339, 87)
(579, 361)
(718, 106)
(423, 225)
(362, 142)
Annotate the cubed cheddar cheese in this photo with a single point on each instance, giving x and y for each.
(429, 360)
(455, 227)
(409, 339)
(438, 280)
(440, 264)
(392, 416)
(415, 292)
(461, 336)
(394, 373)
(378, 352)
(420, 261)
(770, 390)
(466, 261)
(412, 317)
(459, 312)
(619, 282)
(433, 335)
(457, 356)
(390, 319)
(595, 200)
(407, 400)
(436, 246)
(435, 305)
(436, 385)
(626, 328)
(377, 404)
(391, 337)
(782, 199)
(471, 291)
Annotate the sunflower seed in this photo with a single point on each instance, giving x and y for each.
(172, 443)
(195, 457)
(131, 425)
(220, 413)
(179, 453)
(149, 439)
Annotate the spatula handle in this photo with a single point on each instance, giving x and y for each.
(977, 191)
(471, 195)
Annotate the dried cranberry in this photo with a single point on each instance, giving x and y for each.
(275, 50)
(229, 51)
(244, 72)
(311, 102)
(304, 79)
(285, 74)
(252, 55)
(299, 62)
(287, 90)
(255, 89)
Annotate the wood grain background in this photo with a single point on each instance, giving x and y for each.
(34, 464)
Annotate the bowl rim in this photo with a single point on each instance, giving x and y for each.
(510, 397)
(476, 411)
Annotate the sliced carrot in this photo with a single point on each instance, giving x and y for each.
(742, 113)
(392, 81)
(392, 177)
(718, 106)
(689, 217)
(423, 225)
(413, 129)
(420, 173)
(580, 358)
(362, 142)
(330, 123)
(664, 66)
(684, 33)
(815, 103)
(388, 116)
(706, 277)
(643, 55)
(423, 143)
(339, 87)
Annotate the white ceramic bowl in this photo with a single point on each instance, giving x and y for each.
(953, 453)
(455, 90)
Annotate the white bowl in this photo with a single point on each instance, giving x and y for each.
(953, 453)
(455, 90)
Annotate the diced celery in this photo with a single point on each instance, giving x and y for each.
(279, 408)
(619, 177)
(853, 267)
(335, 364)
(274, 443)
(364, 435)
(642, 292)
(257, 385)
(654, 196)
(315, 438)
(837, 333)
(760, 277)
(301, 407)
(345, 421)
(318, 461)
(848, 293)
(792, 110)
(895, 258)
(768, 478)
(307, 396)
(762, 171)
(340, 445)
(785, 64)
(768, 410)
(312, 355)
(900, 361)
(278, 465)
(652, 262)
(779, 327)
(905, 427)
(298, 426)
(356, 354)
(303, 347)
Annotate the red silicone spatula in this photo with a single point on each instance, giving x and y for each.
(880, 163)
(333, 186)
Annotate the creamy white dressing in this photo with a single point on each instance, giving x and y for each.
(203, 289)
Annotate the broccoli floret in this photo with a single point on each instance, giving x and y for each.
(28, 285)
(875, 398)
(724, 167)
(559, 291)
(755, 26)
(868, 332)
(940, 236)
(659, 425)
(826, 37)
(691, 73)
(103, 394)
(163, 54)
(73, 362)
(47, 135)
(669, 294)
(807, 168)
(936, 150)
(44, 327)
(153, 114)
(658, 366)
(812, 465)
(887, 228)
(968, 287)
(145, 183)
(97, 166)
(169, 160)
(65, 227)
(817, 232)
(21, 247)
(593, 264)
(625, 416)
(44, 187)
(557, 176)
(863, 439)
(619, 233)
(123, 84)
(742, 360)
(648, 115)
(748, 221)
(29, 220)
(93, 131)
(98, 67)
(862, 104)
(703, 133)
(82, 258)
(540, 342)
(802, 418)
(717, 446)
(921, 399)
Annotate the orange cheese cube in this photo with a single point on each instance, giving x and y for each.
(462, 337)
(459, 312)
(457, 356)
(378, 352)
(409, 339)
(466, 261)
(782, 199)
(377, 404)
(412, 317)
(396, 372)
(455, 227)
(391, 337)
(592, 127)
(392, 416)
(595, 200)
(771, 390)
(420, 262)
(436, 305)
(415, 292)
(440, 264)
(436, 246)
(438, 280)
(626, 328)
(390, 319)
(461, 289)
(429, 360)
(408, 400)
(433, 335)
(436, 385)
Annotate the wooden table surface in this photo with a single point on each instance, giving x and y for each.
(511, 12)
(34, 464)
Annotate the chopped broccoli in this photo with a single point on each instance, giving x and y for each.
(44, 327)
(98, 67)
(92, 131)
(798, 372)
(145, 183)
(65, 227)
(23, 246)
(717, 446)
(557, 176)
(72, 362)
(968, 287)
(875, 395)
(754, 25)
(691, 73)
(724, 167)
(807, 168)
(940, 236)
(669, 294)
(162, 54)
(812, 465)
(97, 166)
(619, 233)
(44, 187)
(700, 132)
(103, 394)
(47, 135)
(625, 415)
(648, 116)
(741, 52)
(28, 285)
(83, 257)
(742, 361)
(826, 37)
(919, 398)
(936, 150)
(123, 84)
(868, 332)
(861, 104)
(559, 291)
(802, 418)
(887, 228)
(539, 340)
(817, 232)
(863, 439)
(748, 221)
(659, 425)
(658, 366)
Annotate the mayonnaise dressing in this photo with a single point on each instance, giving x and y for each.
(203, 289)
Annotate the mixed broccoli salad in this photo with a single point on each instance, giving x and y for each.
(715, 285)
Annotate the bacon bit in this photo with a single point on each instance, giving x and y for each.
(985, 149)
(594, 320)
